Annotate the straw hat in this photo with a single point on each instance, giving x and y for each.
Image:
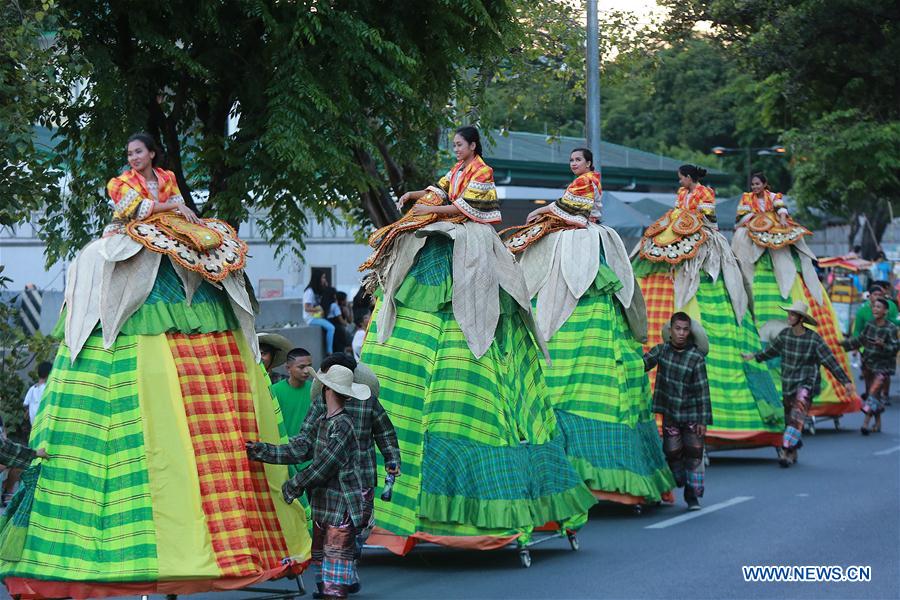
(281, 344)
(803, 310)
(701, 340)
(340, 379)
(770, 330)
(362, 374)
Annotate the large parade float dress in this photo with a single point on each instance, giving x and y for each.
(776, 259)
(590, 309)
(453, 345)
(683, 263)
(154, 391)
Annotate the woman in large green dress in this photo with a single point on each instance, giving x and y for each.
(589, 307)
(452, 344)
(153, 393)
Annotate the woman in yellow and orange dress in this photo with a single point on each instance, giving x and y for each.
(590, 309)
(453, 346)
(773, 253)
(155, 388)
(684, 264)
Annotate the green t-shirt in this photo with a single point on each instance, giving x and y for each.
(864, 315)
(294, 403)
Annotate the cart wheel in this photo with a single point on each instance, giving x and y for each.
(637, 509)
(837, 423)
(573, 541)
(525, 558)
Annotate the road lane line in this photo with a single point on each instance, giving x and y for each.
(888, 451)
(704, 511)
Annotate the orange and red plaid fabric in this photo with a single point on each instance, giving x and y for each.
(234, 492)
(659, 294)
(703, 200)
(129, 189)
(829, 333)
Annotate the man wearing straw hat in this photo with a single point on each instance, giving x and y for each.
(332, 481)
(681, 396)
(373, 427)
(802, 352)
(273, 351)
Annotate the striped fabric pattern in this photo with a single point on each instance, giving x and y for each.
(659, 295)
(439, 395)
(738, 390)
(601, 394)
(833, 399)
(220, 415)
(91, 517)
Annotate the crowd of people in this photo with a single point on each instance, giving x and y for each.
(518, 378)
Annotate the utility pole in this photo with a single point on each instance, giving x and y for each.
(593, 82)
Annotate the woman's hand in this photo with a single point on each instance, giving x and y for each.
(783, 219)
(534, 214)
(41, 453)
(189, 215)
(404, 199)
(422, 209)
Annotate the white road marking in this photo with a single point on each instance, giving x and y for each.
(704, 511)
(802, 495)
(888, 451)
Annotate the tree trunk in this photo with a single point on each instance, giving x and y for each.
(376, 199)
(878, 218)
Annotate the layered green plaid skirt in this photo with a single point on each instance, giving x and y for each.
(833, 400)
(481, 451)
(602, 399)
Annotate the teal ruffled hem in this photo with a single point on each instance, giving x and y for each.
(512, 514)
(499, 487)
(613, 457)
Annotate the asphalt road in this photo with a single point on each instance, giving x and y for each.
(840, 505)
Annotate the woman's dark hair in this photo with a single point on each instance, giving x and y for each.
(329, 297)
(586, 153)
(150, 143)
(315, 281)
(693, 171)
(358, 320)
(471, 135)
(759, 175)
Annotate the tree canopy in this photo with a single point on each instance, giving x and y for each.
(829, 77)
(285, 108)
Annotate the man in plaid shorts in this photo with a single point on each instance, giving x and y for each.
(373, 427)
(879, 361)
(802, 352)
(332, 481)
(681, 396)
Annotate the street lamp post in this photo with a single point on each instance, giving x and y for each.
(764, 151)
(593, 82)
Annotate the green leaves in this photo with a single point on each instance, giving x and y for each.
(317, 91)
